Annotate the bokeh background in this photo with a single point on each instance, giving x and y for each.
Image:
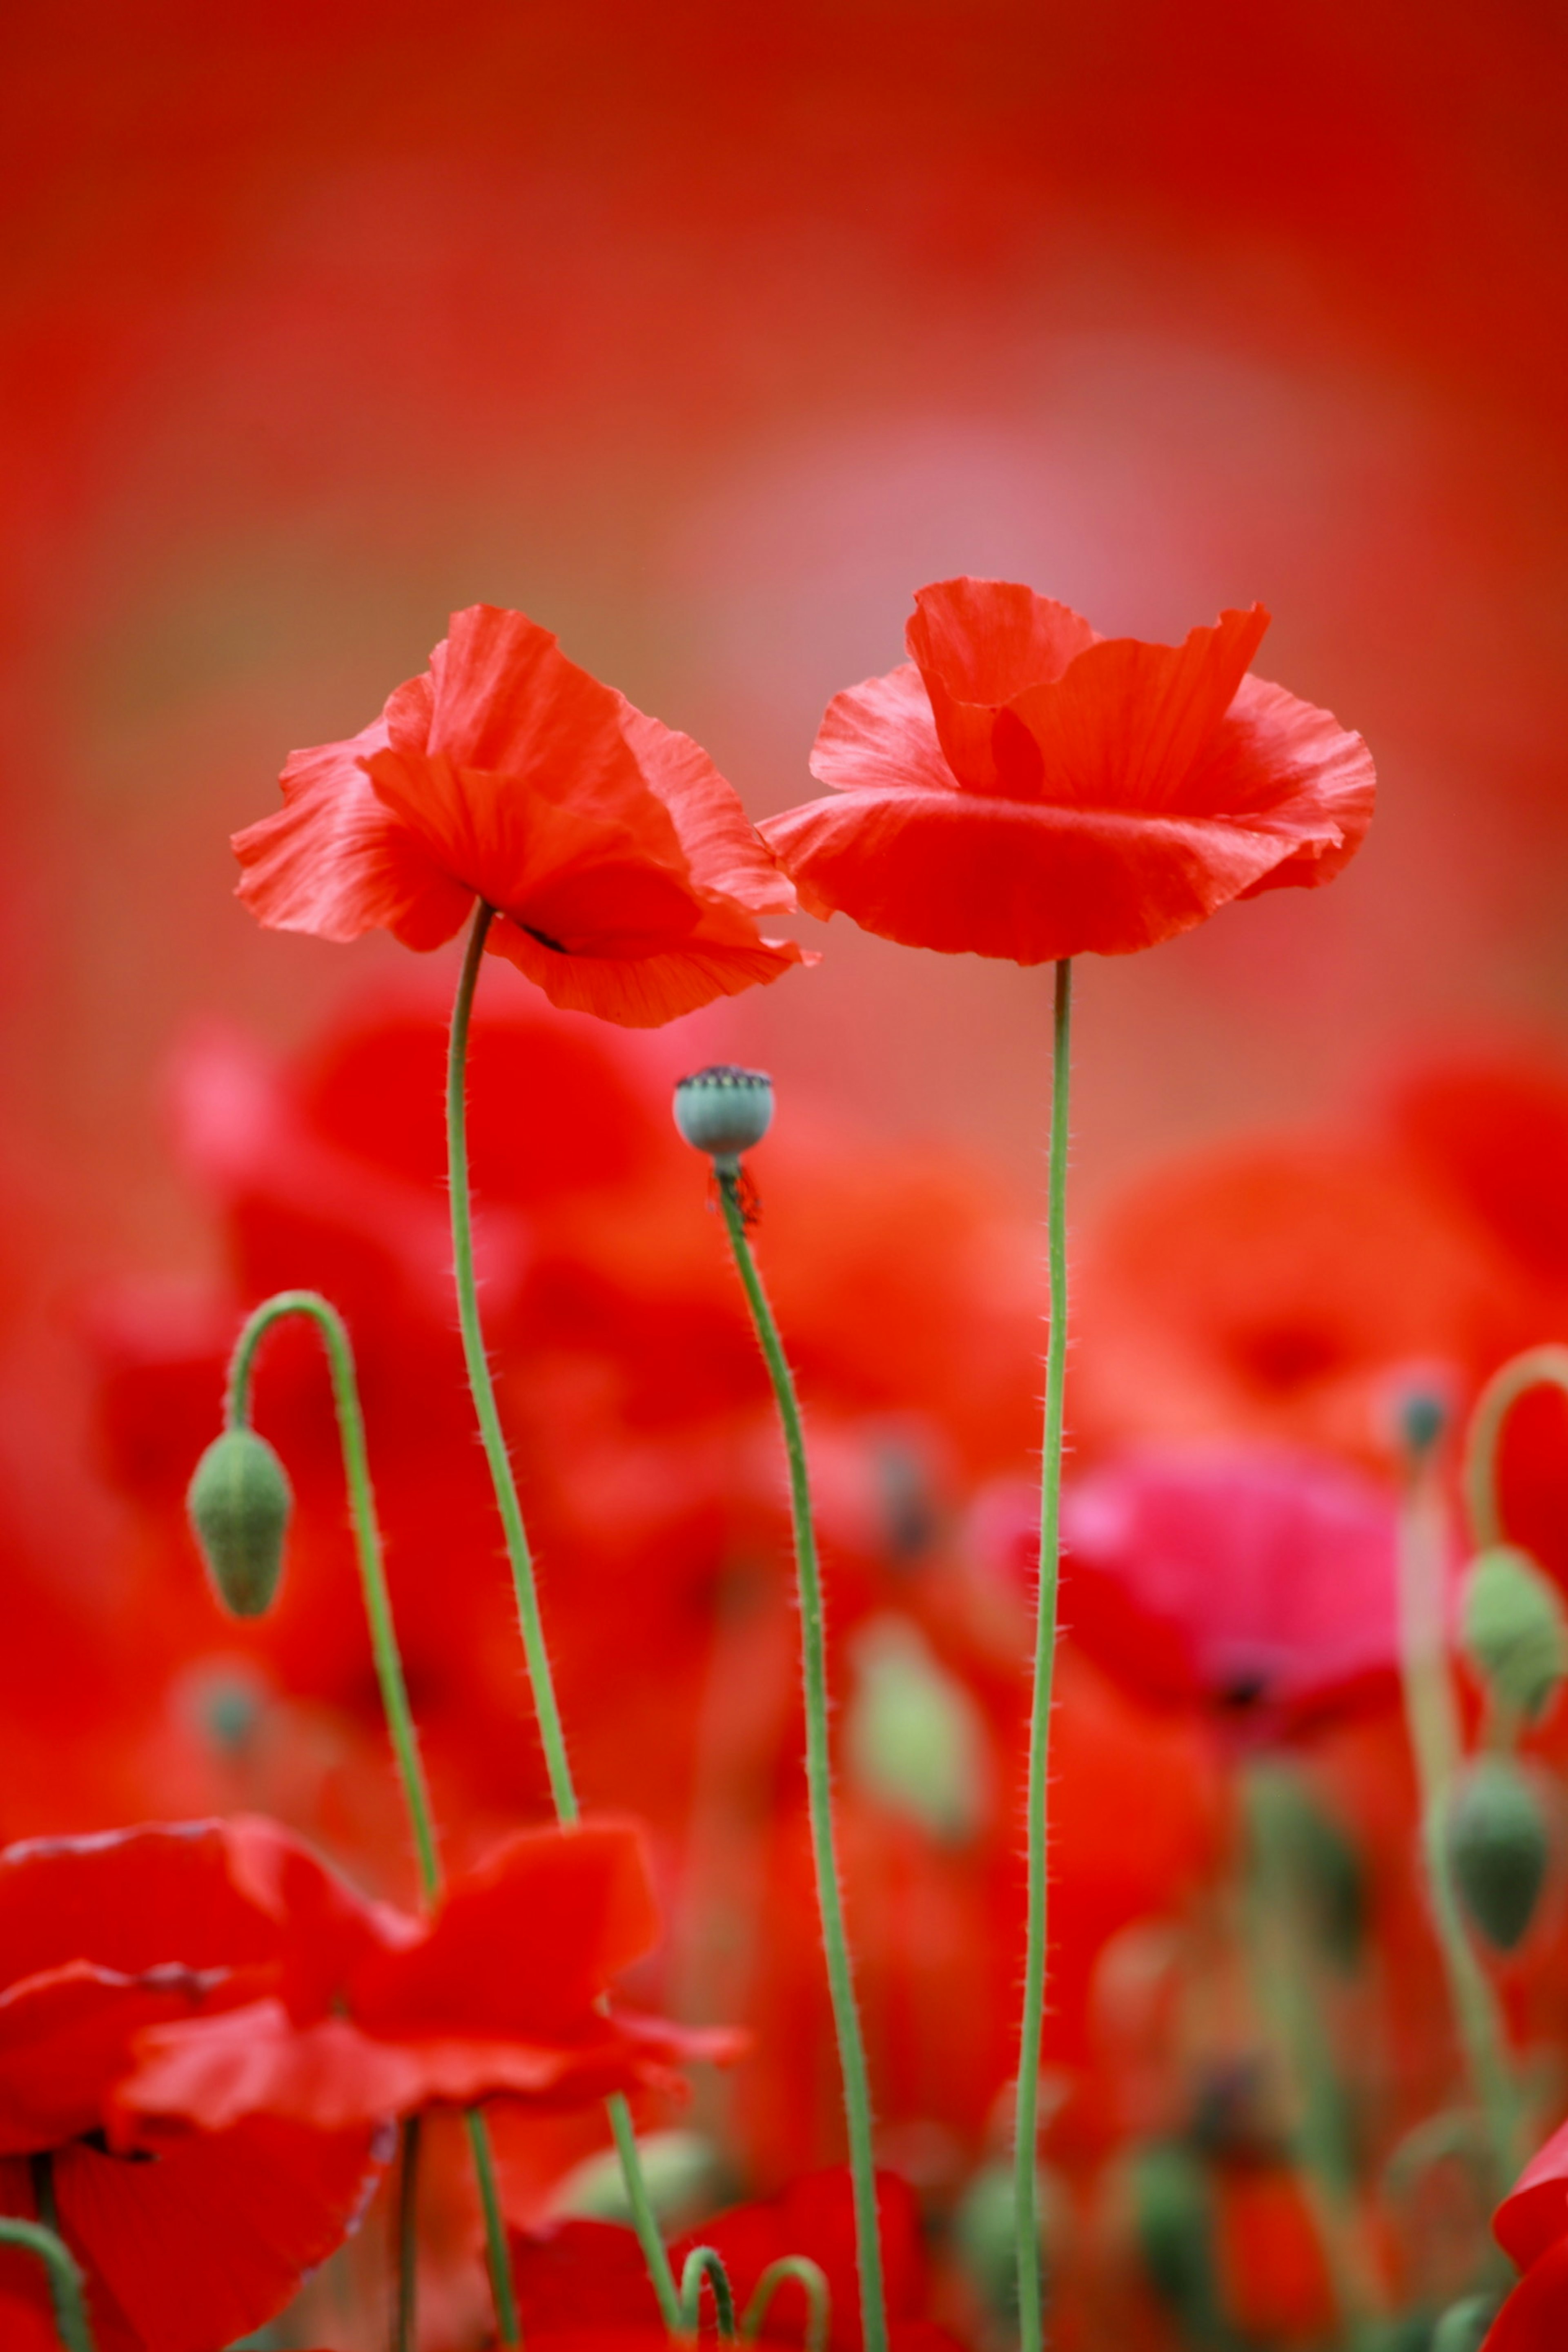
(705, 335)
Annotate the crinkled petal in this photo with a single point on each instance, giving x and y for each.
(335, 861)
(1535, 2316)
(1278, 759)
(1126, 724)
(65, 2042)
(1534, 2213)
(644, 992)
(977, 644)
(129, 1900)
(1021, 879)
(881, 736)
(728, 856)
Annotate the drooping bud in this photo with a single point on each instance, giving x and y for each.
(1465, 2327)
(913, 1736)
(1499, 1846)
(239, 1501)
(684, 2173)
(1515, 1630)
(724, 1110)
(1173, 2216)
(986, 2236)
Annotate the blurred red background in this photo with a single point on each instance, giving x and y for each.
(706, 335)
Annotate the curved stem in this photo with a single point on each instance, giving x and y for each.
(705, 2264)
(367, 1541)
(389, 1672)
(1432, 1714)
(542, 1682)
(1537, 1368)
(1031, 2317)
(813, 2281)
(818, 1773)
(64, 2272)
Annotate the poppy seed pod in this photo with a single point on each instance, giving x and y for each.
(1499, 1847)
(723, 1109)
(239, 1501)
(1515, 1630)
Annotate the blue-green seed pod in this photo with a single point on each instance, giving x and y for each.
(239, 1501)
(724, 1110)
(1499, 1846)
(1515, 1630)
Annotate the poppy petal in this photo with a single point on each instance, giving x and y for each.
(65, 2042)
(1021, 878)
(1535, 2316)
(1534, 2213)
(978, 643)
(644, 992)
(881, 736)
(334, 861)
(727, 855)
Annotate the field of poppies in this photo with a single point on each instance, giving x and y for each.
(784, 1370)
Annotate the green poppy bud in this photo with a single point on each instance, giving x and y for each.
(1499, 1846)
(1515, 1630)
(724, 1110)
(913, 1736)
(1464, 2327)
(986, 2236)
(239, 1501)
(1173, 2216)
(683, 2170)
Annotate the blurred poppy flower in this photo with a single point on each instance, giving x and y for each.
(368, 2013)
(1026, 788)
(1259, 1584)
(102, 1937)
(587, 2274)
(623, 870)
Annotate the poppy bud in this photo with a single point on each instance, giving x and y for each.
(986, 2236)
(1499, 1846)
(1515, 1630)
(1173, 2214)
(912, 1735)
(239, 1501)
(1464, 2327)
(723, 1109)
(682, 2172)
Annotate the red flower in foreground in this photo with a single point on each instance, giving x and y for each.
(102, 1937)
(365, 2013)
(623, 870)
(1531, 2226)
(1029, 789)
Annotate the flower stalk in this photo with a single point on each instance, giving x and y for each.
(818, 1766)
(519, 1556)
(1031, 2296)
(64, 2273)
(369, 1551)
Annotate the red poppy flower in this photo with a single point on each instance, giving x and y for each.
(1260, 1584)
(622, 867)
(366, 2012)
(100, 1938)
(1029, 789)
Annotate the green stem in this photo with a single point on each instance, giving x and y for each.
(1432, 1716)
(542, 1682)
(813, 2283)
(367, 1541)
(1031, 2315)
(818, 1773)
(705, 2264)
(64, 2272)
(1537, 1368)
(1278, 1942)
(389, 1672)
(403, 2333)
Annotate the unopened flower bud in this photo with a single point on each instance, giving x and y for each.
(683, 2172)
(986, 2236)
(239, 1501)
(1465, 2327)
(1515, 1629)
(1173, 2216)
(724, 1110)
(913, 1736)
(1499, 1846)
